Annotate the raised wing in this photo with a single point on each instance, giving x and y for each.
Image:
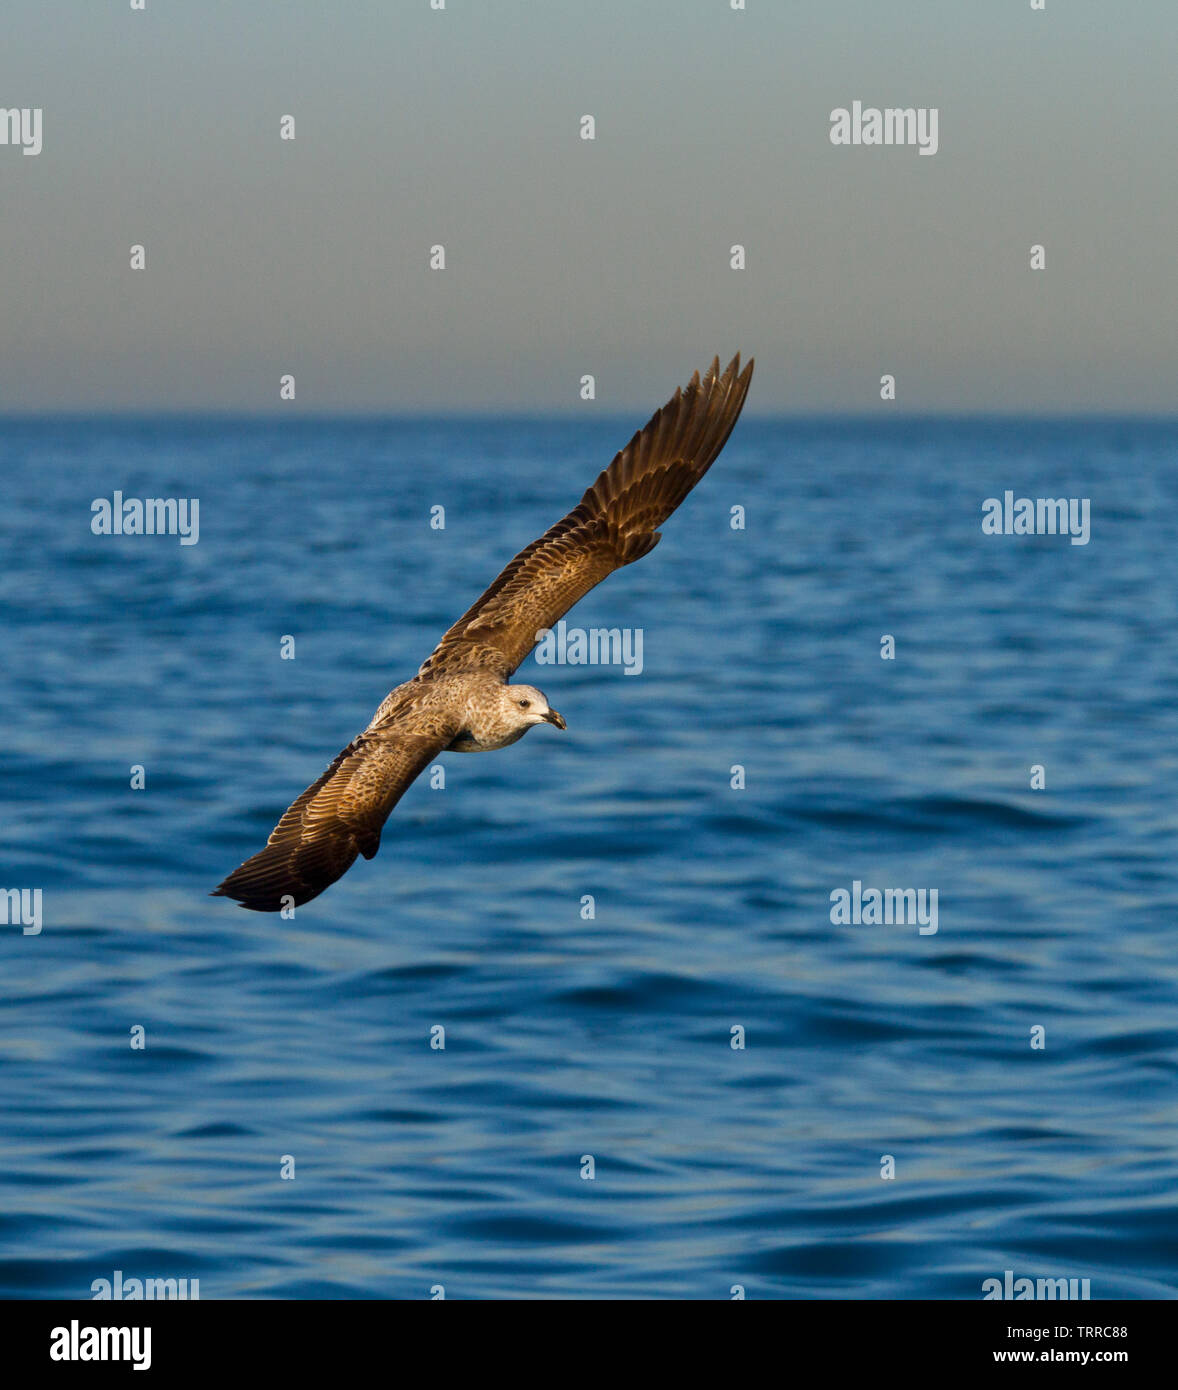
(612, 525)
(336, 818)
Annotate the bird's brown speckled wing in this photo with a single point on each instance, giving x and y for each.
(613, 525)
(337, 817)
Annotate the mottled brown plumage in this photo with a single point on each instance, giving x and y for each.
(459, 698)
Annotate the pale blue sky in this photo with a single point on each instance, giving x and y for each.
(565, 257)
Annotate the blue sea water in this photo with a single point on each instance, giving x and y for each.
(610, 1036)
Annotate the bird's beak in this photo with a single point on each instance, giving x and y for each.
(558, 719)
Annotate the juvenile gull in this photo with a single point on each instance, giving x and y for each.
(460, 699)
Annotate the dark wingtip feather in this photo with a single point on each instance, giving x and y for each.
(613, 524)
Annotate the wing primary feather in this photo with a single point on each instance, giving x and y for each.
(614, 524)
(337, 818)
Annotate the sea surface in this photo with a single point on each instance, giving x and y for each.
(590, 915)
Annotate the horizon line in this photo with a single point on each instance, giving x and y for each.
(286, 416)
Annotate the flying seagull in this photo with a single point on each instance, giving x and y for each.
(460, 699)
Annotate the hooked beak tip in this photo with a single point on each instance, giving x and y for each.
(558, 719)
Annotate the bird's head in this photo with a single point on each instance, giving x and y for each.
(530, 706)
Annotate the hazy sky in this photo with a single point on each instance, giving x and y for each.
(564, 256)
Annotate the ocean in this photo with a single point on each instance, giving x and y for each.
(667, 1072)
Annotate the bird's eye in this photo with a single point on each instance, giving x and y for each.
(523, 704)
